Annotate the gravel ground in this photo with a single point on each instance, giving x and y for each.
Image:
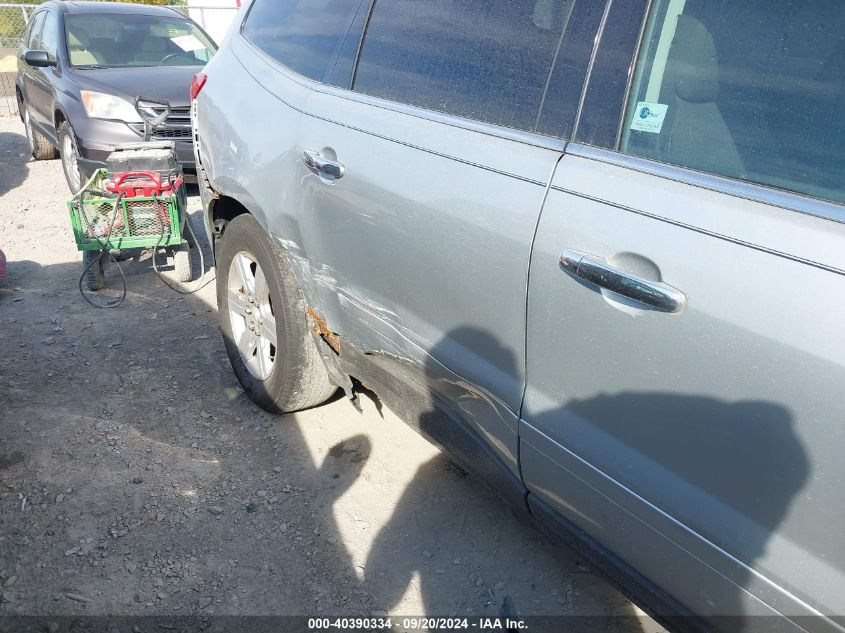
(136, 479)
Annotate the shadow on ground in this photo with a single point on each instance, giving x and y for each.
(14, 156)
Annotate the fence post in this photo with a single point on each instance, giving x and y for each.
(25, 16)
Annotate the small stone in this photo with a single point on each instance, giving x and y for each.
(427, 554)
(59, 498)
(204, 415)
(252, 507)
(137, 480)
(500, 585)
(277, 469)
(11, 580)
(261, 493)
(77, 597)
(479, 581)
(52, 627)
(216, 510)
(380, 613)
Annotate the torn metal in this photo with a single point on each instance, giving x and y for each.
(328, 340)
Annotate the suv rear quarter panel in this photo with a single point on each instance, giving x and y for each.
(248, 141)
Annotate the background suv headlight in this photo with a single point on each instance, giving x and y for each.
(100, 105)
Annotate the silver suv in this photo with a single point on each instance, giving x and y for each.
(582, 244)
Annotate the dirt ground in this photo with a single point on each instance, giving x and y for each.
(136, 478)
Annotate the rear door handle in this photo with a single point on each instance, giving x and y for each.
(595, 270)
(323, 167)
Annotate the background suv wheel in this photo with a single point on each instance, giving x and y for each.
(70, 157)
(39, 146)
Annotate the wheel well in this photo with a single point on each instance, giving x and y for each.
(58, 118)
(226, 209)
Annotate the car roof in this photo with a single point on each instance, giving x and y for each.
(114, 8)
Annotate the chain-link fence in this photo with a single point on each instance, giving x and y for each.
(14, 18)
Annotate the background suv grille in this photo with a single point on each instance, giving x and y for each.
(177, 126)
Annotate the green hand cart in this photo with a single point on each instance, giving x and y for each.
(105, 223)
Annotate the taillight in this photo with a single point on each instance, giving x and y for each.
(197, 84)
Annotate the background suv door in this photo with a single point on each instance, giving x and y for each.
(685, 343)
(29, 74)
(421, 249)
(41, 90)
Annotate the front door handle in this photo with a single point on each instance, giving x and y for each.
(323, 167)
(595, 270)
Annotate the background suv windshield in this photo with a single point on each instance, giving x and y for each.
(135, 40)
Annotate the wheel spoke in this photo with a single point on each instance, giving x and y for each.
(247, 343)
(261, 290)
(268, 330)
(244, 269)
(265, 363)
(238, 303)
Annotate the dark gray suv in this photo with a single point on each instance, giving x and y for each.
(594, 236)
(82, 66)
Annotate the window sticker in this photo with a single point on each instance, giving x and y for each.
(188, 43)
(649, 117)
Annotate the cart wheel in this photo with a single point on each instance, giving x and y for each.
(95, 270)
(182, 263)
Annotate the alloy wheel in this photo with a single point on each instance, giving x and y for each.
(70, 162)
(251, 315)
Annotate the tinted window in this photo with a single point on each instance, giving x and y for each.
(304, 35)
(762, 103)
(477, 59)
(50, 35)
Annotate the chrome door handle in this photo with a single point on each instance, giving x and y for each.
(658, 295)
(321, 166)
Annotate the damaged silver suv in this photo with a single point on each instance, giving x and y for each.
(582, 245)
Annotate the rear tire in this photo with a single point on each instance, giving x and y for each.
(39, 146)
(254, 280)
(95, 271)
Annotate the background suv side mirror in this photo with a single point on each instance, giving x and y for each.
(39, 59)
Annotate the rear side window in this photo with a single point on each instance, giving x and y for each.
(761, 102)
(482, 60)
(304, 35)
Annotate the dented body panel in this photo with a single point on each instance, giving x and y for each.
(419, 253)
